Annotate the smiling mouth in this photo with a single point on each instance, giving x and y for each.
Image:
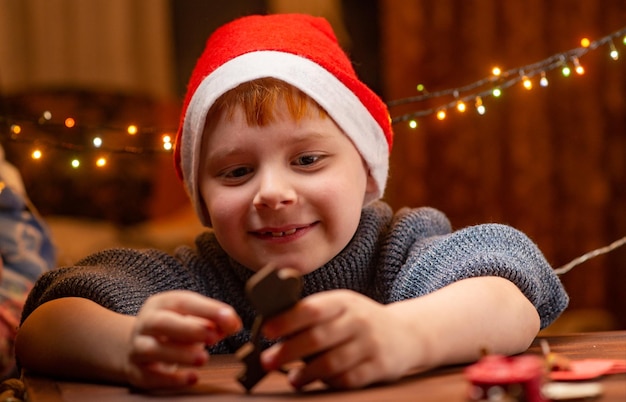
(280, 234)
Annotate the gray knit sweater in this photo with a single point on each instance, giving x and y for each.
(391, 258)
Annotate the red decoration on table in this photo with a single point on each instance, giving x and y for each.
(588, 369)
(501, 378)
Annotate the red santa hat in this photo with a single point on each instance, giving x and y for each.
(301, 50)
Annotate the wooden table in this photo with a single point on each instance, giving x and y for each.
(218, 381)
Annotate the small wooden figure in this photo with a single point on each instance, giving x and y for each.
(271, 291)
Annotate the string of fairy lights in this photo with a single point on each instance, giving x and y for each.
(493, 86)
(17, 128)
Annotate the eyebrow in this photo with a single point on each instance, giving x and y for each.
(236, 150)
(224, 153)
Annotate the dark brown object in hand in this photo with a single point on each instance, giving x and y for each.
(271, 291)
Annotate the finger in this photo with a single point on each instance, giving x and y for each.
(309, 311)
(358, 376)
(309, 342)
(190, 303)
(365, 373)
(330, 364)
(171, 326)
(162, 376)
(148, 350)
(352, 365)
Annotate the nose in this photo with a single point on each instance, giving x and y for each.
(275, 190)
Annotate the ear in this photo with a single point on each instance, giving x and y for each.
(207, 220)
(207, 217)
(370, 187)
(205, 213)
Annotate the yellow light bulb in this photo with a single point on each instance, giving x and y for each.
(496, 92)
(528, 84)
(70, 122)
(585, 42)
(36, 154)
(460, 106)
(496, 71)
(413, 124)
(101, 162)
(132, 129)
(75, 163)
(16, 128)
(167, 146)
(441, 114)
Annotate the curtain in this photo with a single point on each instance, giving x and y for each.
(549, 161)
(109, 45)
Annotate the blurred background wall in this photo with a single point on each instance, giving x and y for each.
(549, 161)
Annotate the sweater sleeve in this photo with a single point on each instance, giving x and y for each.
(117, 279)
(484, 250)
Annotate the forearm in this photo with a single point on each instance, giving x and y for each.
(453, 324)
(77, 338)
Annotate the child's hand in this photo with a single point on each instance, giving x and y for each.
(169, 338)
(347, 340)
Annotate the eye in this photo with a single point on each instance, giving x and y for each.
(237, 173)
(306, 160)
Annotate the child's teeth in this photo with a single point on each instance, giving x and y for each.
(280, 234)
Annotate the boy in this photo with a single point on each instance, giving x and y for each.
(283, 152)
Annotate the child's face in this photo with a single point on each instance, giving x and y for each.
(289, 193)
